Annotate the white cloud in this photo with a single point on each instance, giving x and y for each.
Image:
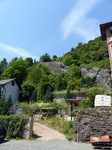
(76, 21)
(18, 51)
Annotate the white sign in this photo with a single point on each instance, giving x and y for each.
(102, 100)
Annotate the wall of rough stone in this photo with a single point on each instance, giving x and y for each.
(27, 133)
(87, 122)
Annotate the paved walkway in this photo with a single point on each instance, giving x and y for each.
(43, 145)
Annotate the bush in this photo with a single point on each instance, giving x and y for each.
(14, 125)
(92, 92)
(86, 103)
(59, 94)
(5, 105)
(68, 129)
(68, 94)
(4, 120)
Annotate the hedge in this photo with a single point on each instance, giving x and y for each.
(14, 125)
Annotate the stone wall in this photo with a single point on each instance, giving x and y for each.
(28, 129)
(87, 122)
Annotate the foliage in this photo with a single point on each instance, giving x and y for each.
(86, 103)
(59, 83)
(49, 95)
(34, 96)
(37, 79)
(16, 69)
(59, 94)
(42, 89)
(73, 76)
(3, 65)
(86, 82)
(29, 60)
(37, 74)
(45, 58)
(68, 129)
(68, 94)
(91, 97)
(95, 91)
(91, 53)
(5, 104)
(34, 75)
(14, 125)
(4, 120)
(54, 58)
(104, 63)
(27, 90)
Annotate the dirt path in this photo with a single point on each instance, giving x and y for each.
(46, 134)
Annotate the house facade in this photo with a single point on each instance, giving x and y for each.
(9, 88)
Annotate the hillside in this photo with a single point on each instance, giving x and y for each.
(70, 72)
(93, 53)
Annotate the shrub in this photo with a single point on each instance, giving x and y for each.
(5, 105)
(68, 94)
(59, 94)
(14, 125)
(68, 129)
(86, 103)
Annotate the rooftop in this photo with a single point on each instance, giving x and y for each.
(103, 28)
(3, 82)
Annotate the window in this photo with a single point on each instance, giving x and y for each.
(13, 83)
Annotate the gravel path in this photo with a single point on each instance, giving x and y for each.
(46, 134)
(43, 145)
(48, 139)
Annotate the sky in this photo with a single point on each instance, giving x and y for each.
(31, 28)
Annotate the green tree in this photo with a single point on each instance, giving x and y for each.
(49, 95)
(68, 94)
(27, 91)
(34, 76)
(3, 65)
(59, 82)
(45, 58)
(54, 58)
(29, 60)
(16, 69)
(83, 82)
(41, 90)
(89, 82)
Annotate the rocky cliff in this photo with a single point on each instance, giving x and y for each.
(56, 67)
(101, 77)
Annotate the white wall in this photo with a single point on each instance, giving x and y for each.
(12, 91)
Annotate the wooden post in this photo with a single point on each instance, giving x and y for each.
(71, 110)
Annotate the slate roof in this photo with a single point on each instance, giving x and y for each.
(3, 82)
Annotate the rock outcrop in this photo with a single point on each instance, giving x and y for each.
(90, 72)
(56, 67)
(101, 77)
